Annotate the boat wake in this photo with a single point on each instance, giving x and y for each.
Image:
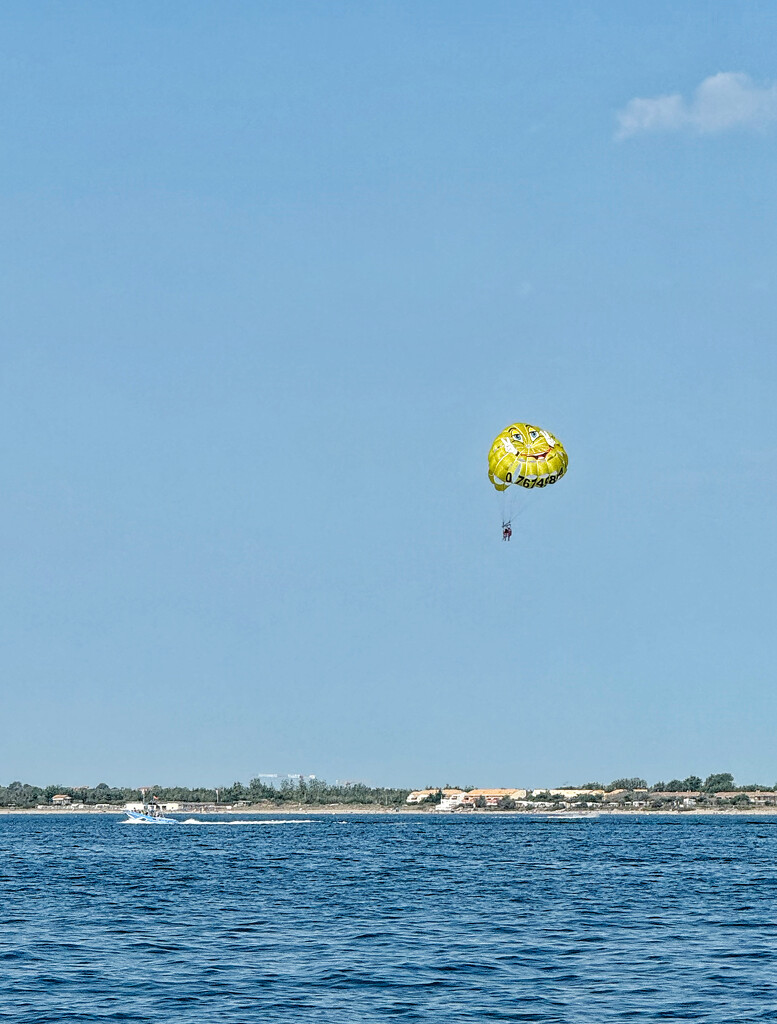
(135, 818)
(249, 821)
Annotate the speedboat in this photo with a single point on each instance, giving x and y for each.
(142, 818)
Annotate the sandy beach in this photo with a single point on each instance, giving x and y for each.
(351, 809)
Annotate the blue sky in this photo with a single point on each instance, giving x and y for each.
(274, 275)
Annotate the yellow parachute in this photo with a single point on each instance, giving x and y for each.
(525, 456)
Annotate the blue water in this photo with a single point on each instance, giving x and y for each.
(388, 918)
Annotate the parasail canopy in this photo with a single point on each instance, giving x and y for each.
(523, 455)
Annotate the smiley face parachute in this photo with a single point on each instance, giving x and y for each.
(521, 458)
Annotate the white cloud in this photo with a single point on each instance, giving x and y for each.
(726, 100)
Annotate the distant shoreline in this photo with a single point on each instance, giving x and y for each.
(354, 809)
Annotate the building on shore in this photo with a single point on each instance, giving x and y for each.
(419, 796)
(680, 798)
(171, 806)
(452, 799)
(568, 793)
(491, 797)
(569, 797)
(753, 796)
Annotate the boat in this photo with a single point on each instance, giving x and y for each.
(145, 818)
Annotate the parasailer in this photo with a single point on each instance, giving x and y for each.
(521, 458)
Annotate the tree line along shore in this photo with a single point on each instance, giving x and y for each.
(303, 791)
(717, 792)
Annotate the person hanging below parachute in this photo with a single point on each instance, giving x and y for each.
(523, 456)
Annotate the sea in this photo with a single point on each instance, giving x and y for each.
(435, 918)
